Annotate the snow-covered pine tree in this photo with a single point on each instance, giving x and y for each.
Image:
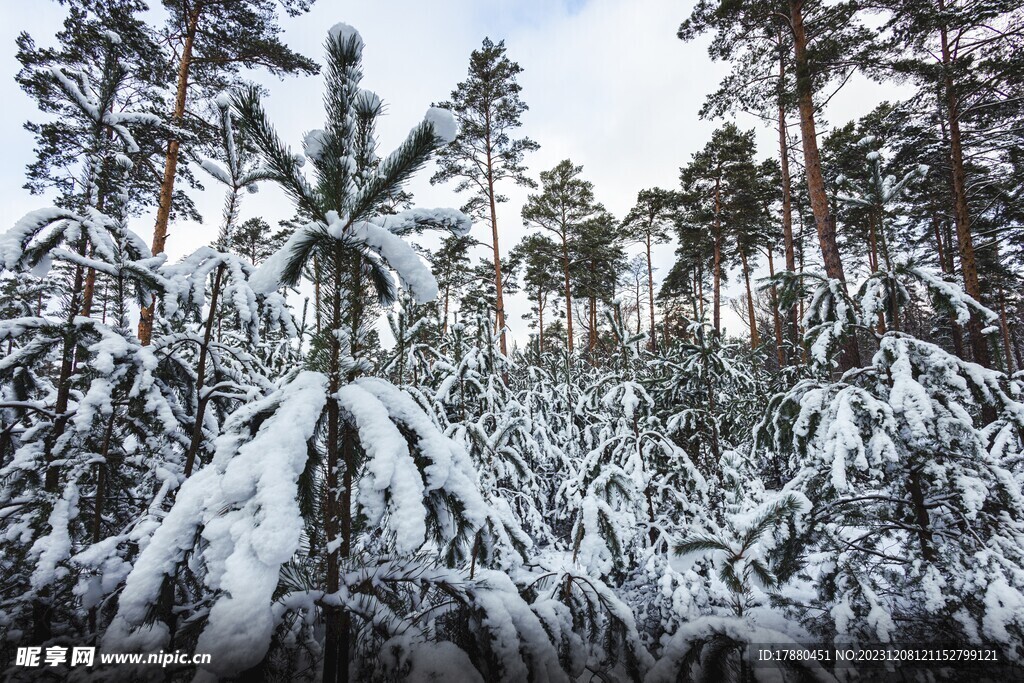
(917, 518)
(92, 414)
(335, 475)
(633, 486)
(235, 169)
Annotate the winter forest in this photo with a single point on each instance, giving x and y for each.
(314, 449)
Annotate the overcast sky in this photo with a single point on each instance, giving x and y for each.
(608, 85)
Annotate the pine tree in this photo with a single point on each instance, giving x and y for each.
(826, 40)
(718, 195)
(450, 266)
(358, 246)
(904, 464)
(538, 256)
(648, 222)
(564, 204)
(488, 109)
(963, 51)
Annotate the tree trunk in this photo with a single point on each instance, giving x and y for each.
(700, 291)
(1007, 349)
(755, 337)
(592, 332)
(787, 193)
(650, 296)
(716, 294)
(961, 215)
(780, 355)
(41, 608)
(540, 322)
(944, 252)
(568, 292)
(335, 631)
(924, 532)
(499, 294)
(873, 261)
(201, 401)
(444, 317)
(824, 220)
(163, 213)
(99, 502)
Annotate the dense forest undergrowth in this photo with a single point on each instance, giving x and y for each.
(221, 455)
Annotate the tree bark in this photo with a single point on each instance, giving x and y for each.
(961, 214)
(944, 252)
(444, 317)
(540, 322)
(824, 220)
(716, 293)
(1005, 328)
(650, 296)
(201, 401)
(163, 213)
(755, 337)
(780, 354)
(592, 332)
(568, 291)
(499, 294)
(787, 193)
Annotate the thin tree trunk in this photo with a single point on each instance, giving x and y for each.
(716, 295)
(568, 292)
(787, 191)
(335, 631)
(592, 332)
(650, 296)
(946, 264)
(700, 291)
(197, 428)
(540, 322)
(755, 337)
(824, 220)
(924, 532)
(41, 608)
(444, 317)
(499, 296)
(100, 501)
(1008, 351)
(639, 318)
(780, 354)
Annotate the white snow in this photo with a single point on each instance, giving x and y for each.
(443, 123)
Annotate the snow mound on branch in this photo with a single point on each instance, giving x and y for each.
(313, 144)
(341, 32)
(443, 123)
(223, 100)
(245, 506)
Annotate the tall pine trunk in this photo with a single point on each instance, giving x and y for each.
(755, 336)
(824, 220)
(650, 296)
(163, 213)
(568, 291)
(499, 293)
(787, 192)
(202, 401)
(780, 355)
(716, 294)
(540, 322)
(961, 214)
